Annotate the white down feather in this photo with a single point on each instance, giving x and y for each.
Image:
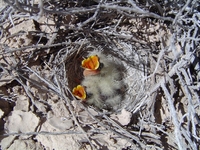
(103, 89)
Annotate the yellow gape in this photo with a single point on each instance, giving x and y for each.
(79, 92)
(91, 63)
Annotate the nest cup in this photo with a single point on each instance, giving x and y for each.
(105, 90)
(113, 88)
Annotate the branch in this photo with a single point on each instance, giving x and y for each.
(177, 131)
(136, 10)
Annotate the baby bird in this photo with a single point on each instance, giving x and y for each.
(102, 81)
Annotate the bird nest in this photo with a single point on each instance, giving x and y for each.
(115, 68)
(153, 49)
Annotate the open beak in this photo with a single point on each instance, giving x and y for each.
(91, 63)
(79, 92)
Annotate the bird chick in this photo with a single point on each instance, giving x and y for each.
(79, 92)
(103, 86)
(91, 63)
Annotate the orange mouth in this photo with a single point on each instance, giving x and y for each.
(91, 63)
(79, 92)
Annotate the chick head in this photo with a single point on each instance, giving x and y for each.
(91, 63)
(79, 92)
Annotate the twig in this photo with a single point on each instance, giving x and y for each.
(48, 133)
(126, 132)
(34, 47)
(125, 36)
(191, 110)
(136, 10)
(170, 74)
(177, 131)
(27, 90)
(106, 126)
(50, 85)
(91, 18)
(181, 11)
